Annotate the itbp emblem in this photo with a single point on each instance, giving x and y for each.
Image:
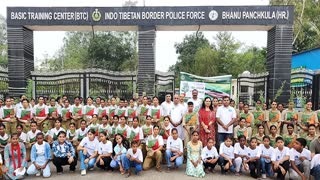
(96, 15)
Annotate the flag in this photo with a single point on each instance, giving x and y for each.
(258, 117)
(111, 112)
(4, 141)
(131, 113)
(102, 112)
(155, 112)
(77, 111)
(80, 137)
(66, 113)
(308, 118)
(246, 116)
(121, 113)
(134, 136)
(25, 114)
(40, 112)
(8, 112)
(33, 139)
(143, 111)
(274, 116)
(51, 110)
(147, 130)
(89, 111)
(163, 133)
(153, 143)
(123, 132)
(191, 119)
(55, 137)
(103, 130)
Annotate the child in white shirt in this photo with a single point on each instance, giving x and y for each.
(254, 158)
(265, 158)
(280, 159)
(300, 160)
(226, 155)
(209, 156)
(241, 154)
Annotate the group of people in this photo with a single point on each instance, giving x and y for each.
(139, 134)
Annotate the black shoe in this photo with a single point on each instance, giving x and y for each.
(222, 170)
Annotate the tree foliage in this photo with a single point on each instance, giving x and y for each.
(105, 50)
(224, 56)
(306, 22)
(3, 42)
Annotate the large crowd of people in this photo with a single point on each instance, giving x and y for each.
(130, 136)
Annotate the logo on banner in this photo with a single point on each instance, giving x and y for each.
(213, 15)
(96, 15)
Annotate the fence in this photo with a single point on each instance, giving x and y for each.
(84, 83)
(249, 86)
(4, 82)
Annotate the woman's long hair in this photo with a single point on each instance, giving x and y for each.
(125, 142)
(204, 105)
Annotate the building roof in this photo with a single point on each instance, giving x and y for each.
(309, 59)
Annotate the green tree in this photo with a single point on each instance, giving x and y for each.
(253, 59)
(105, 50)
(306, 23)
(205, 62)
(111, 50)
(224, 56)
(227, 48)
(3, 42)
(187, 50)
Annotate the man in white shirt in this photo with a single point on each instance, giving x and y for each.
(167, 105)
(176, 115)
(197, 102)
(300, 160)
(174, 152)
(226, 116)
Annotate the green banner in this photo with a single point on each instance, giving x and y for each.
(217, 86)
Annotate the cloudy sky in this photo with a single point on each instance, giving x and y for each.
(48, 42)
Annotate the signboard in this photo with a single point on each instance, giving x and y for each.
(301, 77)
(217, 86)
(137, 16)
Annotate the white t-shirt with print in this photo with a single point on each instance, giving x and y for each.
(175, 144)
(239, 151)
(91, 146)
(228, 151)
(295, 155)
(252, 153)
(206, 153)
(105, 148)
(137, 155)
(266, 151)
(278, 155)
(226, 114)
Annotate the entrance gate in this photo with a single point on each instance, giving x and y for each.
(277, 20)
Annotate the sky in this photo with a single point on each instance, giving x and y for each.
(47, 43)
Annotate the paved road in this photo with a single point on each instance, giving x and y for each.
(145, 175)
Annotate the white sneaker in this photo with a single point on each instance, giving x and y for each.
(83, 172)
(264, 176)
(38, 174)
(91, 169)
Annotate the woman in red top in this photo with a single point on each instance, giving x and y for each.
(207, 121)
